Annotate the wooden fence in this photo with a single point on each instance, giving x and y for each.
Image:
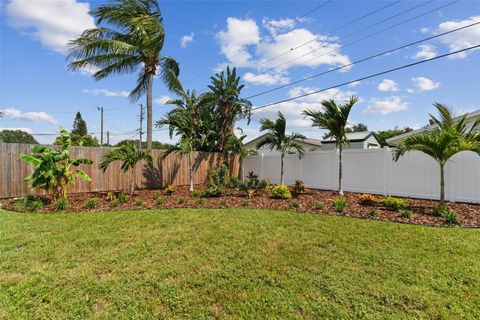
(171, 170)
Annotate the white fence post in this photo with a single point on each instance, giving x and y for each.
(386, 171)
(261, 167)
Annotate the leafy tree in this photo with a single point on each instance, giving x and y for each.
(235, 146)
(129, 155)
(184, 121)
(334, 119)
(77, 140)
(130, 39)
(446, 139)
(79, 126)
(277, 139)
(17, 136)
(386, 134)
(54, 168)
(360, 127)
(155, 144)
(225, 94)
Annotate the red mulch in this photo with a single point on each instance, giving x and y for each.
(469, 214)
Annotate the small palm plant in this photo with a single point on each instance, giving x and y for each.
(277, 139)
(449, 137)
(235, 146)
(334, 119)
(54, 168)
(129, 155)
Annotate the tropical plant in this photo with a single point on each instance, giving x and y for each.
(225, 95)
(61, 204)
(277, 139)
(129, 155)
(170, 189)
(92, 203)
(367, 199)
(340, 204)
(129, 38)
(53, 169)
(29, 204)
(281, 191)
(235, 146)
(334, 119)
(395, 204)
(298, 187)
(448, 137)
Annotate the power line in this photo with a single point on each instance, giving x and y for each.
(363, 38)
(362, 60)
(368, 77)
(262, 38)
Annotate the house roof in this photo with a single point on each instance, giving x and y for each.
(310, 141)
(353, 137)
(397, 139)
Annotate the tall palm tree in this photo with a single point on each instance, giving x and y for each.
(129, 42)
(129, 155)
(448, 137)
(334, 119)
(278, 140)
(184, 121)
(226, 89)
(235, 146)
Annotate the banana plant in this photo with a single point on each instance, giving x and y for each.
(54, 169)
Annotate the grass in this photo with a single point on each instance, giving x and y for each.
(233, 263)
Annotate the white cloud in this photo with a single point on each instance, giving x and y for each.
(234, 41)
(162, 100)
(186, 39)
(425, 84)
(386, 106)
(427, 51)
(461, 39)
(89, 70)
(353, 84)
(52, 22)
(274, 26)
(106, 93)
(388, 85)
(410, 90)
(28, 130)
(424, 30)
(265, 78)
(16, 114)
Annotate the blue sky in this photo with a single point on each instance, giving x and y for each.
(39, 94)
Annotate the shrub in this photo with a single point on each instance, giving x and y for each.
(395, 204)
(213, 191)
(298, 187)
(92, 203)
(29, 204)
(451, 217)
(181, 200)
(295, 205)
(111, 196)
(441, 211)
(115, 203)
(138, 202)
(373, 213)
(217, 176)
(263, 184)
(406, 214)
(233, 183)
(281, 191)
(246, 188)
(201, 201)
(196, 193)
(158, 198)
(368, 199)
(122, 197)
(61, 204)
(170, 189)
(319, 206)
(339, 204)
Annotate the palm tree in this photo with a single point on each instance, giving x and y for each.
(235, 146)
(334, 119)
(449, 137)
(226, 89)
(278, 140)
(184, 121)
(130, 40)
(129, 155)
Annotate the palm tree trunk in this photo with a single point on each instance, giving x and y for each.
(281, 168)
(442, 185)
(149, 112)
(190, 171)
(340, 171)
(132, 181)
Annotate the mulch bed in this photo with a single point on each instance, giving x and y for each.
(469, 214)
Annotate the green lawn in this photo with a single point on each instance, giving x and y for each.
(233, 263)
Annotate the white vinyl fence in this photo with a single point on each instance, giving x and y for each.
(373, 171)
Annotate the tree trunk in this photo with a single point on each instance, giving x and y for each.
(190, 172)
(281, 168)
(340, 171)
(149, 112)
(132, 181)
(240, 168)
(442, 185)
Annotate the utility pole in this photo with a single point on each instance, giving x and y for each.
(141, 125)
(108, 137)
(101, 124)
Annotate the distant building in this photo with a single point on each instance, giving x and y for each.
(393, 141)
(358, 140)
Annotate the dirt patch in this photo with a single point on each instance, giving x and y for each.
(469, 214)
